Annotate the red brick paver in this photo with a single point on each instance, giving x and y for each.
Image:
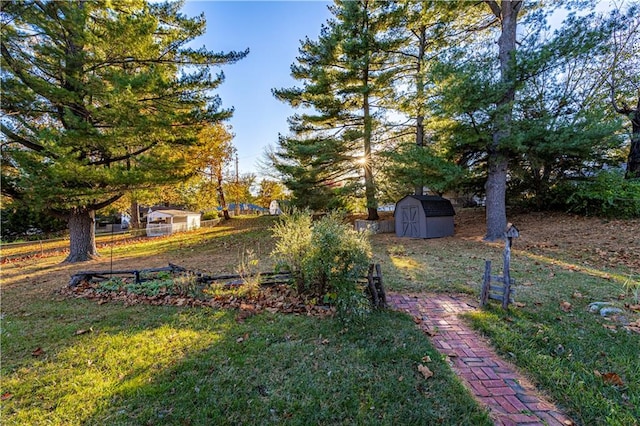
(510, 398)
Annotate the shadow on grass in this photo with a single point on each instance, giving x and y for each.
(150, 365)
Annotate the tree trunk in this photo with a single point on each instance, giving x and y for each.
(82, 233)
(496, 186)
(633, 160)
(135, 215)
(369, 185)
(419, 189)
(223, 202)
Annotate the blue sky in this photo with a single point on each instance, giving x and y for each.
(272, 30)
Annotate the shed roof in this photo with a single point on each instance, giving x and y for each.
(433, 205)
(173, 213)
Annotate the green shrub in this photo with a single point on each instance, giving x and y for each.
(326, 257)
(211, 215)
(607, 195)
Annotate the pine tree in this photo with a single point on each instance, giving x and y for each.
(344, 74)
(97, 97)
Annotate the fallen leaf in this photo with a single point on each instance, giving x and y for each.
(240, 340)
(325, 341)
(612, 379)
(417, 320)
(577, 295)
(425, 371)
(401, 378)
(635, 307)
(519, 304)
(6, 396)
(426, 358)
(634, 326)
(37, 352)
(565, 306)
(79, 332)
(609, 326)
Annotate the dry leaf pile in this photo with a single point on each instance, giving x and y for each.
(280, 298)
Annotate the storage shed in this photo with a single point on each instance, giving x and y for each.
(169, 221)
(424, 216)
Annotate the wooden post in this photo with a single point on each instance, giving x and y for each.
(372, 286)
(381, 292)
(507, 275)
(486, 283)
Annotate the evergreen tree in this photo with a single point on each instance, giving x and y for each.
(97, 97)
(344, 75)
(426, 30)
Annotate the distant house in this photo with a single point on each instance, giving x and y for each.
(245, 208)
(274, 208)
(168, 221)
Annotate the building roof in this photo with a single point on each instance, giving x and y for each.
(174, 212)
(433, 205)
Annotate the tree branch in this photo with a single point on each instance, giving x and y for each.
(23, 141)
(495, 7)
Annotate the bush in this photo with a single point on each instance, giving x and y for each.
(213, 214)
(607, 195)
(326, 258)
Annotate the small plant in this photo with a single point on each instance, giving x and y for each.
(397, 250)
(185, 285)
(149, 288)
(248, 271)
(632, 286)
(112, 285)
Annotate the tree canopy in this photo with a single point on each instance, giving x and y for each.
(461, 98)
(99, 98)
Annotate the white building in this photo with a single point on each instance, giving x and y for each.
(169, 221)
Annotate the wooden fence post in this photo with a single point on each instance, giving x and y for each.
(380, 287)
(372, 286)
(507, 275)
(486, 283)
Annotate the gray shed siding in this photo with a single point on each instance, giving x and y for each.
(421, 216)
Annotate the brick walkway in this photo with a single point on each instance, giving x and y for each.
(510, 398)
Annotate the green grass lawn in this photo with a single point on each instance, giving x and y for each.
(565, 353)
(164, 365)
(116, 364)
